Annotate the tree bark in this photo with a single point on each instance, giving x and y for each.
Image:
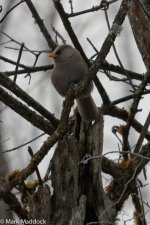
(139, 17)
(78, 195)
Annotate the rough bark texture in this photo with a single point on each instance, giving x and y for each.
(39, 204)
(139, 17)
(78, 196)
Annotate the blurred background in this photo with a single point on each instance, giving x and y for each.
(21, 27)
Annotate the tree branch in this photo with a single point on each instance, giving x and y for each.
(134, 109)
(29, 70)
(113, 33)
(93, 9)
(105, 66)
(123, 114)
(10, 85)
(69, 29)
(41, 25)
(120, 189)
(15, 206)
(61, 130)
(26, 113)
(4, 17)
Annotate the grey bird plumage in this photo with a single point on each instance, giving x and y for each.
(70, 68)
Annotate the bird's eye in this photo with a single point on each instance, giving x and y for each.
(59, 52)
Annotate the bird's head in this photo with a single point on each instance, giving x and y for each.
(63, 53)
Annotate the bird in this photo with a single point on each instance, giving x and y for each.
(69, 69)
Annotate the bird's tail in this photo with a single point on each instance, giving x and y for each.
(87, 108)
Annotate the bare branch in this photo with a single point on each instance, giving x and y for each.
(38, 157)
(36, 170)
(18, 61)
(29, 70)
(129, 97)
(116, 53)
(17, 42)
(69, 29)
(20, 146)
(134, 109)
(93, 9)
(15, 205)
(58, 34)
(10, 10)
(26, 113)
(124, 115)
(142, 135)
(10, 85)
(101, 90)
(41, 25)
(107, 44)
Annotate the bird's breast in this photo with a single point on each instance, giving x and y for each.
(60, 80)
(64, 75)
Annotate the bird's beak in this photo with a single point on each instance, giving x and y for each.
(52, 55)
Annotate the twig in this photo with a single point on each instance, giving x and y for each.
(10, 85)
(111, 77)
(71, 5)
(41, 25)
(117, 69)
(20, 146)
(137, 165)
(133, 110)
(34, 64)
(46, 177)
(17, 42)
(108, 110)
(68, 27)
(13, 62)
(36, 170)
(10, 10)
(97, 82)
(114, 130)
(143, 155)
(128, 180)
(26, 68)
(18, 61)
(127, 98)
(138, 206)
(28, 50)
(122, 114)
(101, 90)
(93, 9)
(36, 54)
(58, 34)
(108, 41)
(105, 66)
(92, 45)
(26, 113)
(29, 70)
(107, 44)
(142, 135)
(116, 53)
(6, 42)
(61, 130)
(143, 202)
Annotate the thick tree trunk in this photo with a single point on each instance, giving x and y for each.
(139, 17)
(78, 195)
